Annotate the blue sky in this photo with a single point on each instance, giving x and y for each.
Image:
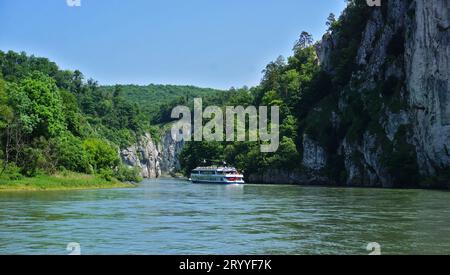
(207, 43)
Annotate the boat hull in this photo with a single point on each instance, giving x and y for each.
(217, 182)
(216, 175)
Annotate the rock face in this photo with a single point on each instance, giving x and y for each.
(419, 33)
(144, 155)
(170, 150)
(402, 80)
(314, 156)
(155, 159)
(428, 81)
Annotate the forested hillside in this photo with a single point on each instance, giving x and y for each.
(53, 120)
(155, 100)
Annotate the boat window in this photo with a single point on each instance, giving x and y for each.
(207, 172)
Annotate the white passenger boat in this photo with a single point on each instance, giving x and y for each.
(218, 175)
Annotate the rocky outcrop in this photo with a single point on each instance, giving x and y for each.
(405, 46)
(154, 158)
(144, 155)
(170, 149)
(428, 82)
(324, 50)
(314, 156)
(363, 163)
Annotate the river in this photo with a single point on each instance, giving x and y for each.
(176, 217)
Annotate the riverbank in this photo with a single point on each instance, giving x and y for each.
(66, 181)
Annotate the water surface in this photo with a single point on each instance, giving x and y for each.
(176, 217)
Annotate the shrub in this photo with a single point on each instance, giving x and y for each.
(106, 174)
(71, 154)
(34, 162)
(287, 155)
(127, 174)
(10, 171)
(101, 154)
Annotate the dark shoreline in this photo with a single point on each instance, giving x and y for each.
(321, 185)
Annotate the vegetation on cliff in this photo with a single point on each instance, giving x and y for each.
(52, 120)
(344, 119)
(307, 96)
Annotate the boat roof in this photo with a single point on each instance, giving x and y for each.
(213, 168)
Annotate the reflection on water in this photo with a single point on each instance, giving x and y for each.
(175, 217)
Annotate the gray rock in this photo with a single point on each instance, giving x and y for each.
(428, 77)
(154, 158)
(170, 150)
(314, 156)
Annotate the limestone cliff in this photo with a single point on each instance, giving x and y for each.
(154, 158)
(170, 149)
(390, 119)
(428, 82)
(404, 67)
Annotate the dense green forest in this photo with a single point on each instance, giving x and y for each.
(292, 85)
(156, 101)
(53, 120)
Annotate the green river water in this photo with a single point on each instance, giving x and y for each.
(176, 217)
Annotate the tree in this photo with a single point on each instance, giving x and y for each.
(77, 80)
(290, 83)
(101, 154)
(71, 153)
(14, 124)
(39, 105)
(287, 155)
(289, 127)
(5, 109)
(197, 153)
(304, 41)
(5, 119)
(75, 120)
(331, 20)
(272, 74)
(39, 156)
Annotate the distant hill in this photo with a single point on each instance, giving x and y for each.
(153, 97)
